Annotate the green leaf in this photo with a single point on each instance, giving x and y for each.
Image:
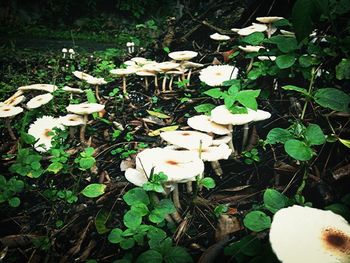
(115, 236)
(345, 142)
(254, 39)
(204, 108)
(163, 129)
(308, 60)
(158, 114)
(295, 88)
(302, 13)
(333, 99)
(278, 135)
(14, 202)
(136, 196)
(156, 236)
(339, 209)
(342, 70)
(86, 163)
(177, 255)
(208, 182)
(215, 93)
(55, 167)
(248, 98)
(100, 222)
(94, 190)
(150, 256)
(132, 219)
(127, 243)
(249, 245)
(284, 43)
(257, 221)
(285, 61)
(274, 200)
(27, 138)
(314, 135)
(89, 151)
(141, 209)
(298, 150)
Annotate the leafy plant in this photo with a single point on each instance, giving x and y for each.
(9, 189)
(85, 159)
(27, 163)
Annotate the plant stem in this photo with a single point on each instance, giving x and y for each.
(9, 129)
(303, 183)
(311, 84)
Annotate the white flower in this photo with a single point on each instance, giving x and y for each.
(40, 129)
(39, 100)
(216, 75)
(307, 235)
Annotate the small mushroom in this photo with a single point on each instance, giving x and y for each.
(269, 20)
(39, 100)
(71, 53)
(123, 73)
(220, 38)
(190, 65)
(255, 27)
(145, 74)
(305, 235)
(97, 82)
(165, 67)
(84, 109)
(72, 91)
(64, 51)
(8, 111)
(82, 75)
(216, 75)
(71, 120)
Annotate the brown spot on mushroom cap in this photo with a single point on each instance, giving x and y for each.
(171, 162)
(72, 119)
(185, 134)
(336, 241)
(46, 132)
(6, 109)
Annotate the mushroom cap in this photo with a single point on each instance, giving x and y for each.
(64, 50)
(82, 75)
(72, 90)
(215, 75)
(39, 100)
(252, 29)
(219, 37)
(71, 120)
(44, 87)
(287, 33)
(182, 55)
(259, 115)
(264, 58)
(204, 123)
(139, 60)
(96, 81)
(71, 50)
(222, 115)
(9, 111)
(40, 130)
(250, 49)
(305, 235)
(222, 140)
(187, 139)
(151, 67)
(122, 71)
(13, 101)
(130, 63)
(190, 64)
(214, 153)
(85, 108)
(168, 65)
(235, 29)
(268, 19)
(179, 166)
(145, 73)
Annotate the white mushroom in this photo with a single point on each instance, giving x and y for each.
(269, 20)
(39, 100)
(8, 111)
(217, 74)
(252, 29)
(305, 235)
(71, 53)
(219, 37)
(43, 87)
(71, 120)
(205, 124)
(165, 67)
(187, 139)
(250, 49)
(82, 75)
(145, 74)
(64, 51)
(123, 73)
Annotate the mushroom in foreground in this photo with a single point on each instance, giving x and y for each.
(123, 73)
(305, 235)
(71, 120)
(269, 20)
(255, 27)
(43, 87)
(39, 100)
(82, 75)
(217, 74)
(84, 109)
(187, 139)
(41, 130)
(220, 38)
(8, 111)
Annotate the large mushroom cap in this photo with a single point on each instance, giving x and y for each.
(268, 19)
(204, 123)
(214, 153)
(222, 115)
(43, 87)
(252, 29)
(259, 115)
(219, 37)
(13, 101)
(217, 74)
(71, 120)
(168, 65)
(250, 49)
(182, 55)
(96, 81)
(9, 111)
(82, 75)
(122, 71)
(39, 100)
(187, 139)
(41, 130)
(85, 108)
(72, 90)
(304, 235)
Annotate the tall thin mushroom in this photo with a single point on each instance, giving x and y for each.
(8, 111)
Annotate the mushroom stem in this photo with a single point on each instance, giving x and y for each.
(146, 83)
(164, 83)
(71, 132)
(189, 77)
(97, 93)
(245, 135)
(9, 129)
(171, 83)
(176, 198)
(124, 84)
(218, 48)
(250, 65)
(82, 130)
(189, 187)
(217, 168)
(230, 143)
(269, 30)
(156, 81)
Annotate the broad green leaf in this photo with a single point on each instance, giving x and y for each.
(345, 142)
(339, 209)
(163, 129)
(86, 163)
(55, 167)
(333, 99)
(127, 243)
(342, 70)
(156, 236)
(284, 43)
(254, 39)
(100, 222)
(136, 196)
(115, 236)
(257, 221)
(307, 61)
(314, 135)
(274, 200)
(229, 100)
(91, 99)
(27, 138)
(158, 114)
(248, 98)
(204, 108)
(302, 13)
(150, 256)
(278, 135)
(14, 202)
(132, 219)
(89, 151)
(177, 255)
(254, 73)
(214, 93)
(285, 61)
(298, 150)
(94, 190)
(208, 182)
(141, 209)
(295, 88)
